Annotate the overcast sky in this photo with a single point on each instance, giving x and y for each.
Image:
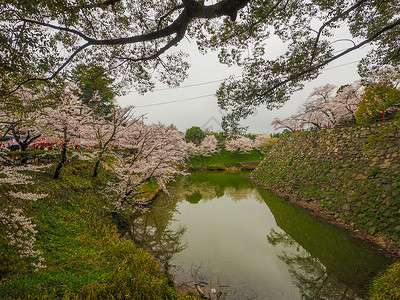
(194, 102)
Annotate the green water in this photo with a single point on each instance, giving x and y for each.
(218, 226)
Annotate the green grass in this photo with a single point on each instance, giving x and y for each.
(225, 159)
(84, 253)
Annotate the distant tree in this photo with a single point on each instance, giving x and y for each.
(208, 145)
(94, 87)
(323, 109)
(239, 144)
(381, 95)
(173, 127)
(191, 149)
(317, 106)
(345, 103)
(220, 136)
(287, 123)
(264, 142)
(104, 131)
(195, 135)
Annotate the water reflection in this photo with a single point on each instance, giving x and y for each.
(346, 265)
(274, 251)
(312, 278)
(153, 232)
(209, 186)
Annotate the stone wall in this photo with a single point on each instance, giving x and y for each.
(351, 174)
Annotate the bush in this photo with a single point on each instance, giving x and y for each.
(268, 144)
(378, 100)
(387, 286)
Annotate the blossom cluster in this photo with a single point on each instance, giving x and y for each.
(15, 176)
(207, 147)
(21, 233)
(152, 151)
(324, 108)
(27, 196)
(19, 229)
(240, 144)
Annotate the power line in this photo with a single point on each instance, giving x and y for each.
(192, 85)
(175, 101)
(349, 63)
(209, 95)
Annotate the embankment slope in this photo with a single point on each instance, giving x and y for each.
(348, 176)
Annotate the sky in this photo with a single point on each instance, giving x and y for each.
(194, 103)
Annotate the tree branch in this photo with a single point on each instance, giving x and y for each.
(192, 9)
(170, 44)
(335, 18)
(320, 65)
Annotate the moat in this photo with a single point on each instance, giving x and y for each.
(219, 229)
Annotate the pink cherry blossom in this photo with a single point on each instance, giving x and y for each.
(239, 144)
(208, 146)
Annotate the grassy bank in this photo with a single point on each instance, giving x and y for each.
(83, 251)
(225, 160)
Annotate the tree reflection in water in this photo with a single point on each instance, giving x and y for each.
(311, 277)
(152, 231)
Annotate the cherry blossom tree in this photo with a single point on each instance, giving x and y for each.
(21, 233)
(18, 115)
(385, 73)
(155, 151)
(313, 118)
(6, 125)
(316, 106)
(191, 149)
(239, 144)
(208, 145)
(345, 103)
(63, 122)
(105, 130)
(323, 109)
(287, 123)
(260, 139)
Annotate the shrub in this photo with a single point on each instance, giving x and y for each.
(387, 285)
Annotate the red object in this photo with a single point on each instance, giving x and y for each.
(383, 115)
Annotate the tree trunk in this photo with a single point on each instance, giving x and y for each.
(96, 168)
(63, 157)
(97, 165)
(24, 156)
